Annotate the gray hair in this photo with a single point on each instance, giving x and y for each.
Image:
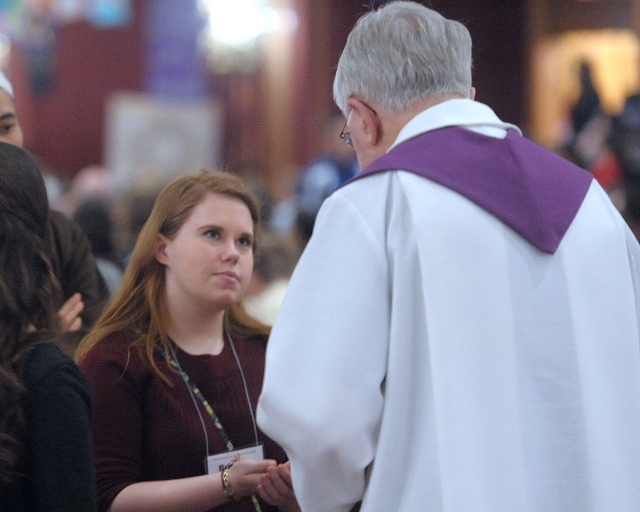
(401, 53)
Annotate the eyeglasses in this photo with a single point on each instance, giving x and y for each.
(346, 136)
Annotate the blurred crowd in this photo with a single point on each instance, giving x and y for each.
(608, 146)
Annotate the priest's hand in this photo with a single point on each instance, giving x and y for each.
(276, 488)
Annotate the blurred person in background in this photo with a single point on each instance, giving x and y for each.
(590, 144)
(46, 463)
(84, 291)
(273, 268)
(624, 144)
(94, 216)
(90, 181)
(589, 123)
(335, 166)
(135, 208)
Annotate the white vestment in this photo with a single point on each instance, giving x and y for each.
(429, 358)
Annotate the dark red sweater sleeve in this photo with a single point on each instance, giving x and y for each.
(145, 429)
(118, 389)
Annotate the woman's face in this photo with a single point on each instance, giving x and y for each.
(10, 129)
(209, 262)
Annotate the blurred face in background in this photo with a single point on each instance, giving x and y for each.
(10, 129)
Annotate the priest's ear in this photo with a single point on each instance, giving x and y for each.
(364, 122)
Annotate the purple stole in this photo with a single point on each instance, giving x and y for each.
(532, 190)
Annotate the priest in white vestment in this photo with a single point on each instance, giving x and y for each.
(461, 333)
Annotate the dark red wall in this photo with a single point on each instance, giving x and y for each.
(65, 126)
(498, 31)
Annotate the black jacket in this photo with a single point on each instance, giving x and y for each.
(56, 465)
(76, 270)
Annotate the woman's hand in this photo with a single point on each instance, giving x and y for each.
(276, 488)
(245, 475)
(69, 313)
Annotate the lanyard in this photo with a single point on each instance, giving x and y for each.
(173, 361)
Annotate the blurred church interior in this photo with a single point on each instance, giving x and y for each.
(154, 88)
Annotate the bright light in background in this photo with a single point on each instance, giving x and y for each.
(5, 51)
(240, 22)
(234, 28)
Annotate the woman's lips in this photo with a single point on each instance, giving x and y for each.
(229, 276)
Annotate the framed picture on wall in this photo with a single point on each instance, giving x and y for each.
(151, 141)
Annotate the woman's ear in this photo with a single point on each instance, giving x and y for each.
(161, 249)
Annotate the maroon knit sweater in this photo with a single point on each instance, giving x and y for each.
(145, 430)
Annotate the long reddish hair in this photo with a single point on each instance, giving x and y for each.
(138, 308)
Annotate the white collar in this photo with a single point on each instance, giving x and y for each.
(457, 112)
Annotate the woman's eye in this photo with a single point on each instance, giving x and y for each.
(212, 233)
(6, 128)
(245, 241)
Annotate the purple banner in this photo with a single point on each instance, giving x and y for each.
(175, 66)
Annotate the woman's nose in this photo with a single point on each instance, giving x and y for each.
(231, 250)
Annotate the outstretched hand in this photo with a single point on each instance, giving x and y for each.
(276, 488)
(245, 475)
(69, 313)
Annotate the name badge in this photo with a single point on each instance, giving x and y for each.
(219, 461)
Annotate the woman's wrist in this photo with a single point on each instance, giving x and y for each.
(227, 487)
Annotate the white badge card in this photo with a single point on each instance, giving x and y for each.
(219, 461)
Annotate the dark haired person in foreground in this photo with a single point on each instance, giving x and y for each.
(45, 413)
